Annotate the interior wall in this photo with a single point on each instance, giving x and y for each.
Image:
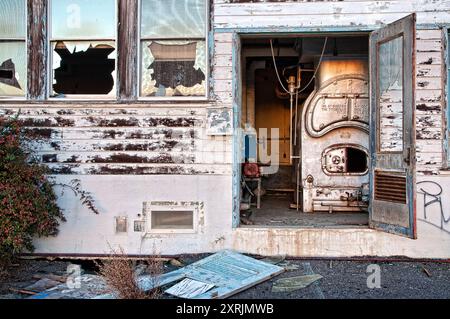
(272, 113)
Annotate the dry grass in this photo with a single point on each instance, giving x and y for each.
(4, 265)
(119, 273)
(3, 273)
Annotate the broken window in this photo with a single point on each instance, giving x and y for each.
(13, 49)
(83, 46)
(173, 48)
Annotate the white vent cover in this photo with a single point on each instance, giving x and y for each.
(172, 217)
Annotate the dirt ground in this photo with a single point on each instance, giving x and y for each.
(341, 279)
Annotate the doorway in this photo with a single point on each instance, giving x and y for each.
(305, 108)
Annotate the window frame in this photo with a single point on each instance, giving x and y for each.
(164, 207)
(207, 57)
(113, 95)
(25, 43)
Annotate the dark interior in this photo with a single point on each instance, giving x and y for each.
(356, 160)
(84, 72)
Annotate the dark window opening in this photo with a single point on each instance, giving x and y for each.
(356, 160)
(7, 74)
(174, 73)
(84, 72)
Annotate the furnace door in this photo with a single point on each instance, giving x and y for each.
(392, 128)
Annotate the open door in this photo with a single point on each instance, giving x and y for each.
(392, 128)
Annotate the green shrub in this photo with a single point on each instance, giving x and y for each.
(28, 206)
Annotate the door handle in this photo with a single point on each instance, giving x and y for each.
(407, 157)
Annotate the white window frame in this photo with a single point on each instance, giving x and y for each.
(191, 208)
(139, 66)
(25, 42)
(79, 97)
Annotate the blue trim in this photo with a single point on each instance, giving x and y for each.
(237, 101)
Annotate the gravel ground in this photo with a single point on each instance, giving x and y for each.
(348, 280)
(341, 279)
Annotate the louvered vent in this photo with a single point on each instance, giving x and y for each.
(390, 187)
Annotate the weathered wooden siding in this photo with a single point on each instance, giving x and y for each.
(136, 141)
(241, 14)
(429, 102)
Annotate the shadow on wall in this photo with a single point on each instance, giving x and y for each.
(432, 200)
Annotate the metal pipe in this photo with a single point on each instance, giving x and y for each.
(292, 90)
(298, 185)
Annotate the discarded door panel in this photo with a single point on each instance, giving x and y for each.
(229, 273)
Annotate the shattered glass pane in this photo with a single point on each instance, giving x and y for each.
(13, 69)
(83, 67)
(390, 77)
(12, 19)
(75, 19)
(173, 68)
(172, 19)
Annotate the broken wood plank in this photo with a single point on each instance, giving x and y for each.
(22, 291)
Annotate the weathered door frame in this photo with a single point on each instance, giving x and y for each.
(238, 34)
(237, 91)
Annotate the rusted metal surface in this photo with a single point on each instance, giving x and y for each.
(390, 187)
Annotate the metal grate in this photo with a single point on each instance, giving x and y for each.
(390, 187)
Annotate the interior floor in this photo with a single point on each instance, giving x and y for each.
(275, 211)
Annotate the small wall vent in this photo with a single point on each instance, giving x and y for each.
(172, 219)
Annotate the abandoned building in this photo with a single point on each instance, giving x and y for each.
(304, 128)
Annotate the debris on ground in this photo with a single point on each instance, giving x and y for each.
(189, 288)
(274, 260)
(281, 261)
(289, 266)
(42, 285)
(84, 287)
(218, 276)
(426, 271)
(176, 263)
(294, 283)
